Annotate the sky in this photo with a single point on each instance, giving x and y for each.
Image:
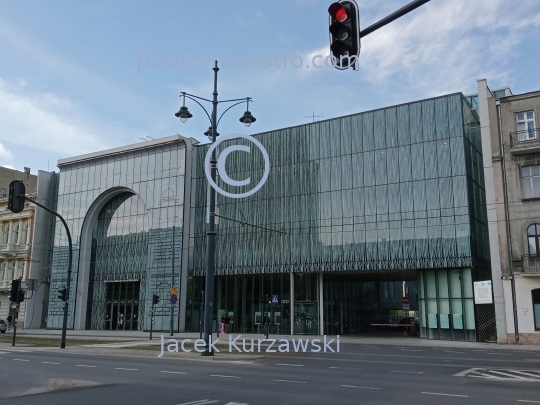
(84, 76)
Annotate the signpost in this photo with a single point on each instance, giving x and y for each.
(405, 302)
(275, 299)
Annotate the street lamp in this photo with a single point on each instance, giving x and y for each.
(247, 119)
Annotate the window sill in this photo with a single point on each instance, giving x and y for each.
(530, 199)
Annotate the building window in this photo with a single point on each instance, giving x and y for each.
(525, 125)
(536, 308)
(533, 236)
(530, 177)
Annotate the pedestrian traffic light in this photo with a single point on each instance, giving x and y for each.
(155, 299)
(14, 290)
(269, 302)
(20, 296)
(15, 201)
(62, 293)
(344, 26)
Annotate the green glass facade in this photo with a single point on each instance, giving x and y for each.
(399, 189)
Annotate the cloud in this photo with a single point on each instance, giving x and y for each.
(446, 45)
(44, 121)
(5, 153)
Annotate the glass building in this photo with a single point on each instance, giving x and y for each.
(358, 213)
(375, 207)
(125, 210)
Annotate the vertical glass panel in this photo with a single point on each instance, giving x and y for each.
(379, 129)
(380, 167)
(428, 120)
(404, 135)
(405, 169)
(442, 278)
(417, 158)
(391, 127)
(466, 275)
(431, 284)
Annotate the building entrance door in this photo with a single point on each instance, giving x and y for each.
(122, 306)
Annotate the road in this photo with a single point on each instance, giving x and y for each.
(366, 374)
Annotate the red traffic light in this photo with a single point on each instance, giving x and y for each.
(338, 12)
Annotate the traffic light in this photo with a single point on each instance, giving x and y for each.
(14, 290)
(20, 296)
(344, 26)
(155, 299)
(269, 302)
(15, 202)
(62, 293)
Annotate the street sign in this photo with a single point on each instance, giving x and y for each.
(405, 300)
(275, 299)
(174, 299)
(174, 291)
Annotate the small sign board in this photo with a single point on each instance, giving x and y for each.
(174, 299)
(275, 299)
(405, 300)
(174, 291)
(406, 307)
(482, 292)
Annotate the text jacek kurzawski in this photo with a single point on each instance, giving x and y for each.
(242, 345)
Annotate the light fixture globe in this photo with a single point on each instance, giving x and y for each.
(248, 119)
(183, 114)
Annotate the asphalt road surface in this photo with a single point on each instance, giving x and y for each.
(359, 374)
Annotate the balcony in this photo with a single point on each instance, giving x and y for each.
(527, 141)
(530, 265)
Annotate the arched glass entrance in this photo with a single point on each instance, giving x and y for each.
(118, 265)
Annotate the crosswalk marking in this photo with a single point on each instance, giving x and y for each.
(199, 402)
(501, 374)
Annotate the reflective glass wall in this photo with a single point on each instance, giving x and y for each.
(136, 234)
(396, 188)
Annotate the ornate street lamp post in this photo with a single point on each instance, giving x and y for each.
(246, 119)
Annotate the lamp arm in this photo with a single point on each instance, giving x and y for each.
(208, 115)
(192, 95)
(240, 102)
(236, 99)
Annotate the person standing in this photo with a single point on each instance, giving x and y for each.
(9, 319)
(223, 323)
(227, 320)
(265, 325)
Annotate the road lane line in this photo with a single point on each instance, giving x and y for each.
(21, 360)
(83, 365)
(290, 365)
(291, 381)
(446, 395)
(200, 402)
(224, 376)
(410, 350)
(407, 372)
(500, 354)
(450, 351)
(345, 368)
(173, 372)
(525, 400)
(128, 369)
(48, 362)
(356, 386)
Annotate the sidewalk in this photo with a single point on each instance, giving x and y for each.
(133, 339)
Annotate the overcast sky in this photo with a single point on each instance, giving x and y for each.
(78, 77)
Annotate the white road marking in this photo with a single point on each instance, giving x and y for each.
(48, 362)
(224, 376)
(9, 349)
(4, 352)
(356, 386)
(291, 381)
(407, 372)
(21, 360)
(411, 350)
(344, 368)
(83, 365)
(446, 395)
(525, 400)
(128, 369)
(527, 374)
(500, 354)
(290, 365)
(451, 351)
(173, 372)
(200, 402)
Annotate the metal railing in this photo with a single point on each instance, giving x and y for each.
(530, 264)
(525, 139)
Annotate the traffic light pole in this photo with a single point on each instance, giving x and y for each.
(394, 16)
(152, 318)
(68, 284)
(17, 309)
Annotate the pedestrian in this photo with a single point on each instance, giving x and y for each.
(9, 319)
(265, 325)
(223, 323)
(227, 320)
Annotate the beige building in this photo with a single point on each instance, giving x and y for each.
(511, 129)
(15, 240)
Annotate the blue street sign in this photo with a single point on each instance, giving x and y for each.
(275, 300)
(174, 299)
